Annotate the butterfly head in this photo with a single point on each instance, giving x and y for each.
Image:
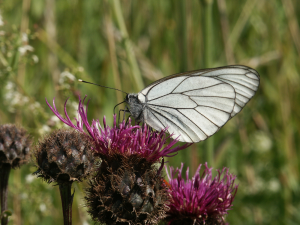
(135, 107)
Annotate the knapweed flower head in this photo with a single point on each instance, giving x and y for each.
(128, 187)
(15, 144)
(64, 156)
(123, 138)
(202, 199)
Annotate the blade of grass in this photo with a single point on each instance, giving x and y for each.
(113, 57)
(50, 26)
(136, 75)
(149, 71)
(242, 20)
(262, 59)
(225, 31)
(208, 57)
(63, 56)
(289, 10)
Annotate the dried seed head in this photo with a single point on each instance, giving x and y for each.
(64, 155)
(14, 145)
(127, 190)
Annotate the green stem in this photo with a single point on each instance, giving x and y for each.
(182, 34)
(208, 57)
(208, 33)
(136, 75)
(66, 200)
(3, 60)
(4, 175)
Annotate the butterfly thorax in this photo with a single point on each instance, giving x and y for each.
(135, 107)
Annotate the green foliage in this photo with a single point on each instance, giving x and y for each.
(67, 40)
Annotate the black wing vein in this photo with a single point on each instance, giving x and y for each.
(171, 122)
(190, 121)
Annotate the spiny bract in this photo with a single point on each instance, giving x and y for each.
(127, 190)
(64, 155)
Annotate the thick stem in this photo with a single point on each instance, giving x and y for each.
(4, 175)
(66, 200)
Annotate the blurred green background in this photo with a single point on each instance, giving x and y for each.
(45, 46)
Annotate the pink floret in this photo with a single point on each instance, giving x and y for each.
(201, 197)
(124, 138)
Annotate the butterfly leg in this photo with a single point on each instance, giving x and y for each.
(117, 105)
(123, 110)
(127, 119)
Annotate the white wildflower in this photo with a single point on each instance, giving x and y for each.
(35, 107)
(35, 58)
(274, 185)
(24, 196)
(9, 86)
(44, 129)
(1, 20)
(43, 207)
(25, 99)
(64, 76)
(24, 38)
(261, 142)
(257, 186)
(80, 69)
(29, 178)
(74, 108)
(54, 119)
(25, 48)
(13, 98)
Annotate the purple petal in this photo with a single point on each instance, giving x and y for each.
(201, 196)
(123, 138)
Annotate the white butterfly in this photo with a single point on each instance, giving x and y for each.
(194, 105)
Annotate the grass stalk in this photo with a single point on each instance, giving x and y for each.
(62, 55)
(136, 75)
(225, 31)
(182, 34)
(241, 22)
(289, 10)
(208, 33)
(50, 26)
(23, 29)
(113, 56)
(208, 57)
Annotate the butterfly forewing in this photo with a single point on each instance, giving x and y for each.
(196, 104)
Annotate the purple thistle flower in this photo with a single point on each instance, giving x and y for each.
(200, 200)
(128, 187)
(125, 138)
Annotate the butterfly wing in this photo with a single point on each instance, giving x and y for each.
(194, 105)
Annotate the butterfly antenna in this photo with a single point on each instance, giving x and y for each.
(101, 86)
